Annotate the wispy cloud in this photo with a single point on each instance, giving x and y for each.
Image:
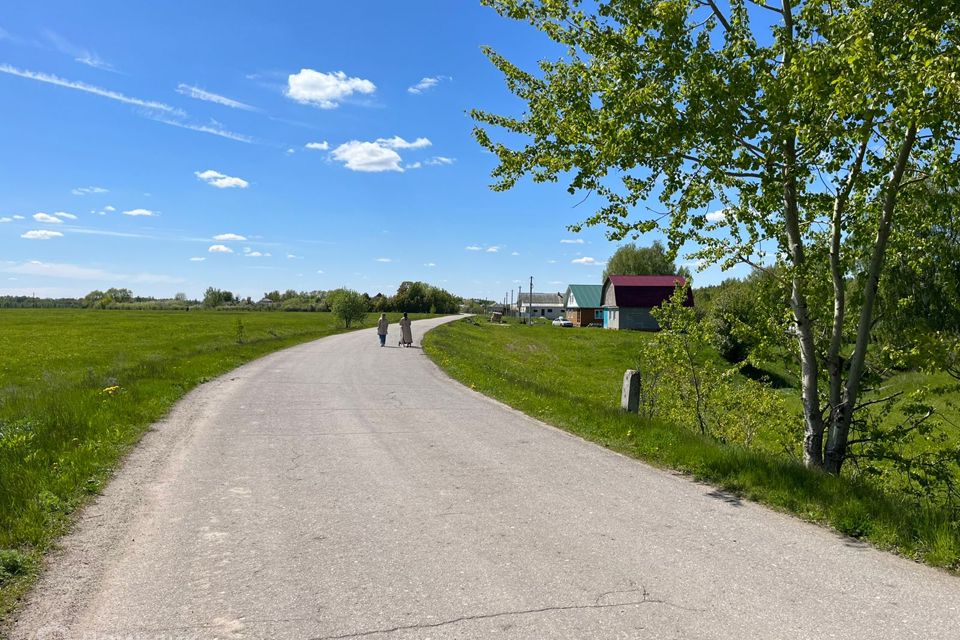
(325, 90)
(427, 83)
(588, 261)
(77, 272)
(429, 264)
(208, 96)
(572, 241)
(318, 146)
(255, 254)
(6, 219)
(214, 129)
(146, 213)
(41, 234)
(515, 253)
(225, 237)
(83, 191)
(220, 180)
(219, 248)
(88, 88)
(396, 142)
(493, 249)
(473, 247)
(384, 260)
(65, 215)
(436, 161)
(197, 259)
(79, 54)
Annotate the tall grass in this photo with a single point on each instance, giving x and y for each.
(79, 387)
(571, 378)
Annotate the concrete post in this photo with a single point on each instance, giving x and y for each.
(630, 396)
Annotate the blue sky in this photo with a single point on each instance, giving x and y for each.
(169, 147)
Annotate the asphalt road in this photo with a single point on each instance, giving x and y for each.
(341, 490)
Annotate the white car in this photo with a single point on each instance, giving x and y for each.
(562, 322)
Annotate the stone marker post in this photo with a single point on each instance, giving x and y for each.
(630, 396)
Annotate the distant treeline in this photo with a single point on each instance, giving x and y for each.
(411, 297)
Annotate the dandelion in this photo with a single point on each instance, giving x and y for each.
(112, 390)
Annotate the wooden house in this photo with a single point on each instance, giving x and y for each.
(581, 304)
(627, 300)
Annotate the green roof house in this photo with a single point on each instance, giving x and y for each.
(582, 305)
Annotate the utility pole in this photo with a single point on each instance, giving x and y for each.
(511, 300)
(530, 302)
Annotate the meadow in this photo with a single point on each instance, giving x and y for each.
(79, 387)
(571, 378)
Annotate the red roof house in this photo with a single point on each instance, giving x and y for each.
(627, 300)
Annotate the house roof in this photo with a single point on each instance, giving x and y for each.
(554, 299)
(645, 291)
(587, 296)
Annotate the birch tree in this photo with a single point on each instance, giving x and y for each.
(777, 133)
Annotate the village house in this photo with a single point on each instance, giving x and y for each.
(581, 304)
(543, 305)
(627, 300)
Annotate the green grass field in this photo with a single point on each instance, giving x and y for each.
(79, 387)
(571, 378)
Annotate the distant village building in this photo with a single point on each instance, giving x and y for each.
(627, 300)
(542, 305)
(581, 304)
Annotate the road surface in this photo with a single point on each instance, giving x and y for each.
(342, 490)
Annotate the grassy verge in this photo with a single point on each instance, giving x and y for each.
(78, 388)
(571, 378)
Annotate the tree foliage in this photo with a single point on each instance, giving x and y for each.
(818, 127)
(631, 260)
(348, 305)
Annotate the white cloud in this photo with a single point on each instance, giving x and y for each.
(426, 84)
(147, 213)
(221, 180)
(64, 214)
(551, 262)
(207, 96)
(379, 155)
(87, 88)
(440, 160)
(228, 236)
(429, 264)
(587, 260)
(473, 247)
(197, 259)
(219, 248)
(415, 165)
(42, 234)
(6, 219)
(19, 218)
(213, 129)
(384, 260)
(493, 249)
(717, 216)
(515, 253)
(77, 272)
(109, 208)
(82, 191)
(318, 146)
(291, 151)
(291, 256)
(572, 241)
(320, 271)
(81, 55)
(396, 142)
(325, 90)
(368, 157)
(47, 218)
(254, 254)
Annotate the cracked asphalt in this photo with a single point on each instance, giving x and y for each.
(342, 490)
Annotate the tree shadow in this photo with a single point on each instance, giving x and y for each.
(775, 380)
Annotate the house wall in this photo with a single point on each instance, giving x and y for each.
(637, 318)
(544, 311)
(584, 317)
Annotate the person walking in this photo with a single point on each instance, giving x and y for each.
(406, 335)
(382, 329)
